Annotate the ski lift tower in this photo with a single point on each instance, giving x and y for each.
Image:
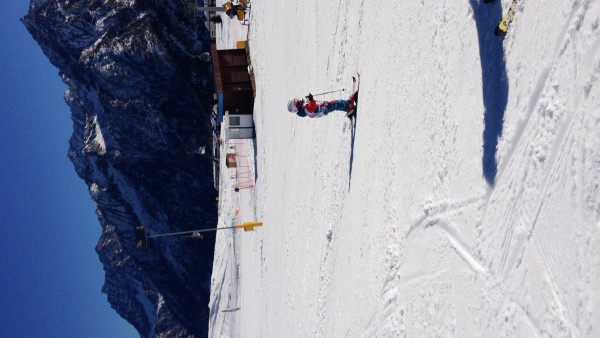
(237, 10)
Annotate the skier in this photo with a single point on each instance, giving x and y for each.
(312, 108)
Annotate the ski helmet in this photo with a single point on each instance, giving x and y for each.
(293, 105)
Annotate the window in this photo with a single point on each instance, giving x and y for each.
(234, 120)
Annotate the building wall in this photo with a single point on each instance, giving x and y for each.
(233, 81)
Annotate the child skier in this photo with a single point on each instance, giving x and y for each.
(312, 108)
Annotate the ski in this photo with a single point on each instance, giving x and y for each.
(351, 115)
(354, 97)
(507, 20)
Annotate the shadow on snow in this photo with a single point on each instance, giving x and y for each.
(494, 79)
(352, 137)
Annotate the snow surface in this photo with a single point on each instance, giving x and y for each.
(465, 204)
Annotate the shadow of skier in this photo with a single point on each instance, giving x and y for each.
(494, 79)
(352, 137)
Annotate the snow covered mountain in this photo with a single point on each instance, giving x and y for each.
(466, 201)
(138, 94)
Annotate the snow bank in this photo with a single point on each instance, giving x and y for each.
(421, 222)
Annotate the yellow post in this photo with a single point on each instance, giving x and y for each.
(249, 226)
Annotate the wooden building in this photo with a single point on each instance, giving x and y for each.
(233, 87)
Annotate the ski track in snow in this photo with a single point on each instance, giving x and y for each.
(539, 161)
(413, 241)
(545, 133)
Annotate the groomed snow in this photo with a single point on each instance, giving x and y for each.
(418, 224)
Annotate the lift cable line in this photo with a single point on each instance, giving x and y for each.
(142, 236)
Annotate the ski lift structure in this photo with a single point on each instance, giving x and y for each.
(142, 236)
(237, 10)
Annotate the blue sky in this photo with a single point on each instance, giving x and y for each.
(50, 277)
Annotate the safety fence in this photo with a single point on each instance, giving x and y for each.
(240, 164)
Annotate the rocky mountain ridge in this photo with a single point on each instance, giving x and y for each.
(138, 94)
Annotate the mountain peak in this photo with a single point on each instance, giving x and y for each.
(137, 111)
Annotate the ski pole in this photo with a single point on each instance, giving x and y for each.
(333, 91)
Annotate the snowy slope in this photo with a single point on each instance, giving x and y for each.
(423, 222)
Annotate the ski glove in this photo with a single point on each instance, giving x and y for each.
(310, 97)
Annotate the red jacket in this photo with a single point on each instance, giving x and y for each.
(310, 106)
